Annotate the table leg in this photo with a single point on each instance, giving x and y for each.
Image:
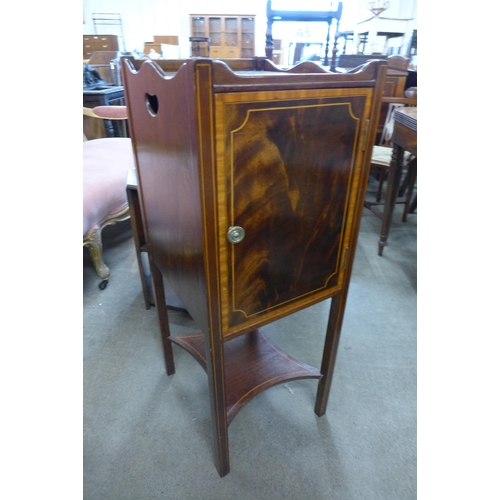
(393, 181)
(139, 240)
(412, 177)
(413, 205)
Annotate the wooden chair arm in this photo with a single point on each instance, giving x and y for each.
(107, 112)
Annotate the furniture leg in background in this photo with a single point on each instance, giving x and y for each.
(404, 138)
(161, 306)
(142, 251)
(412, 178)
(139, 236)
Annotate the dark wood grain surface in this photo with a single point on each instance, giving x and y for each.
(291, 198)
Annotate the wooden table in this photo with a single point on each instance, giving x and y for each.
(404, 138)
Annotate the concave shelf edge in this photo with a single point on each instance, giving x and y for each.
(253, 364)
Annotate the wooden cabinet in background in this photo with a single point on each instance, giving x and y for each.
(231, 36)
(93, 43)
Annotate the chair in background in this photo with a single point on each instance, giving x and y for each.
(106, 162)
(103, 62)
(395, 81)
(382, 154)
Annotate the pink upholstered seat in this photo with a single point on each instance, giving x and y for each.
(106, 163)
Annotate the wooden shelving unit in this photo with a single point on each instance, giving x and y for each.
(99, 43)
(231, 36)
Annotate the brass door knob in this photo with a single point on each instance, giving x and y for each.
(235, 234)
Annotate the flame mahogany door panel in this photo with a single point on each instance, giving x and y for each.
(291, 191)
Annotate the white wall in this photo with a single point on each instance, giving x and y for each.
(143, 19)
(400, 9)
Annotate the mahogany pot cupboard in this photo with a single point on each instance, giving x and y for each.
(251, 182)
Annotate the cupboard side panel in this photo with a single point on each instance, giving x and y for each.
(165, 137)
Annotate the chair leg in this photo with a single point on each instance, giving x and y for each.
(161, 308)
(94, 243)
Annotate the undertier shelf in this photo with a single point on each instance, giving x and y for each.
(253, 363)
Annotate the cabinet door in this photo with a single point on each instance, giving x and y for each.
(247, 37)
(224, 37)
(198, 26)
(215, 31)
(288, 165)
(199, 29)
(231, 32)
